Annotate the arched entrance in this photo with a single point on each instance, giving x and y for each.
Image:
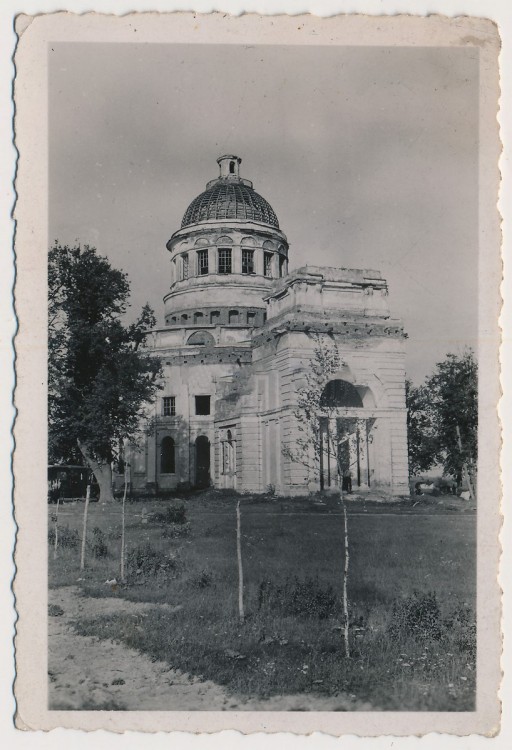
(202, 461)
(344, 434)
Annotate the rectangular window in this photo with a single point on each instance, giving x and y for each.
(247, 261)
(224, 260)
(202, 406)
(169, 406)
(202, 262)
(281, 266)
(185, 266)
(267, 264)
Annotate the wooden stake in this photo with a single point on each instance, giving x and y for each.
(240, 568)
(56, 543)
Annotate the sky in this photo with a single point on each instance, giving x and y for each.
(368, 155)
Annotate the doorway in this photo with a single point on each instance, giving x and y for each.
(202, 461)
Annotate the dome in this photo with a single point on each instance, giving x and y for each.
(229, 197)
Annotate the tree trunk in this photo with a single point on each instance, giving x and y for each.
(123, 523)
(240, 568)
(465, 471)
(84, 527)
(103, 473)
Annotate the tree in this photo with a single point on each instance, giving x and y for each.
(311, 408)
(101, 379)
(421, 437)
(443, 418)
(453, 389)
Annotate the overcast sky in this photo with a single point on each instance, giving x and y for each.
(368, 156)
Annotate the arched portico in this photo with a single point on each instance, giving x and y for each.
(345, 426)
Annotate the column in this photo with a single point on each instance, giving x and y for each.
(258, 261)
(212, 260)
(236, 259)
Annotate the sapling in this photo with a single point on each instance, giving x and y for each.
(241, 612)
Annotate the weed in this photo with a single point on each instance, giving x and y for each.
(99, 547)
(176, 531)
(173, 514)
(303, 598)
(202, 580)
(417, 616)
(145, 562)
(68, 538)
(55, 610)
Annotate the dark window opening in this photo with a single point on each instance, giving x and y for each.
(184, 318)
(214, 317)
(202, 406)
(247, 261)
(231, 167)
(198, 317)
(202, 262)
(224, 260)
(233, 317)
(340, 393)
(267, 264)
(169, 406)
(251, 318)
(167, 456)
(281, 266)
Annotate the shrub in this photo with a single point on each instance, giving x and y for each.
(145, 561)
(418, 616)
(303, 598)
(172, 514)
(99, 547)
(67, 537)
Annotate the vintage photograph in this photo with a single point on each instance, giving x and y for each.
(264, 296)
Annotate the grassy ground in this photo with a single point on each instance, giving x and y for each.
(411, 591)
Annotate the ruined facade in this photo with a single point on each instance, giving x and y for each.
(239, 335)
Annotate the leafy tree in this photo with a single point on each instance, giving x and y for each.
(421, 437)
(453, 390)
(443, 418)
(100, 377)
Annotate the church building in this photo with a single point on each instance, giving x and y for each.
(239, 336)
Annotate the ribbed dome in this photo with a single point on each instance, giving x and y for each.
(230, 200)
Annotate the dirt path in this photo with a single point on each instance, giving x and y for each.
(88, 673)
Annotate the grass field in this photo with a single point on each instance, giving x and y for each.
(411, 592)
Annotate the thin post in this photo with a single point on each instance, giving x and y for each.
(345, 579)
(367, 453)
(56, 541)
(84, 529)
(346, 555)
(240, 568)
